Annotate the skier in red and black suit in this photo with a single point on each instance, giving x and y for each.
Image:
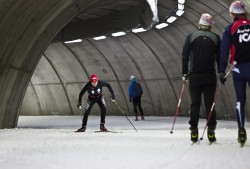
(236, 38)
(94, 89)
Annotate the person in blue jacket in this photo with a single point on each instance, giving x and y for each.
(135, 93)
(236, 42)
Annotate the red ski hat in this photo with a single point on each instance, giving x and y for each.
(94, 78)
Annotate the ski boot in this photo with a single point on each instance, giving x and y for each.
(103, 128)
(136, 118)
(242, 135)
(82, 129)
(211, 134)
(142, 118)
(194, 134)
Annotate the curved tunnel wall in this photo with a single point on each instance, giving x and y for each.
(153, 56)
(26, 29)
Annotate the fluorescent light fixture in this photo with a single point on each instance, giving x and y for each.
(99, 37)
(162, 25)
(118, 34)
(138, 30)
(179, 12)
(171, 19)
(180, 6)
(181, 1)
(74, 41)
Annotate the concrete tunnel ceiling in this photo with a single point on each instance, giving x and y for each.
(153, 56)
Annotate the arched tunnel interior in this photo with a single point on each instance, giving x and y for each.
(42, 75)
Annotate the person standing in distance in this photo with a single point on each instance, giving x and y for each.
(199, 56)
(135, 93)
(94, 89)
(236, 42)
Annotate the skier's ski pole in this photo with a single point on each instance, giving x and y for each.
(123, 113)
(151, 104)
(234, 63)
(210, 113)
(178, 105)
(215, 96)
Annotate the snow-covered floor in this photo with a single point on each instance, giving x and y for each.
(49, 142)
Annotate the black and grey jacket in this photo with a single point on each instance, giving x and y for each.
(200, 52)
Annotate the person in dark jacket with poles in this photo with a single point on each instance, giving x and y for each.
(135, 93)
(236, 41)
(94, 89)
(199, 56)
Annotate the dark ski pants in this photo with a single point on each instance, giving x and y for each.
(89, 105)
(241, 76)
(208, 92)
(137, 103)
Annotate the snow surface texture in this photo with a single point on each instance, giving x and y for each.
(49, 142)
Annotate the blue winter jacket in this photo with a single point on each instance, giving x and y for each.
(132, 93)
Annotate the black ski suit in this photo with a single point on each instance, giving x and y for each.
(200, 53)
(95, 96)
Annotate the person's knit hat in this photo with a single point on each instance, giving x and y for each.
(237, 7)
(93, 78)
(206, 20)
(132, 78)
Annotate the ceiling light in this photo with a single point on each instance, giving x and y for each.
(138, 30)
(171, 19)
(179, 12)
(99, 38)
(118, 34)
(181, 1)
(74, 41)
(180, 6)
(162, 25)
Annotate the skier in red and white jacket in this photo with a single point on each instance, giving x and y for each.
(236, 42)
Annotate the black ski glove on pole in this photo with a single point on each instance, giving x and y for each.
(79, 105)
(185, 77)
(222, 78)
(113, 96)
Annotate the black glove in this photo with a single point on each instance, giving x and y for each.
(185, 77)
(79, 105)
(113, 96)
(222, 78)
